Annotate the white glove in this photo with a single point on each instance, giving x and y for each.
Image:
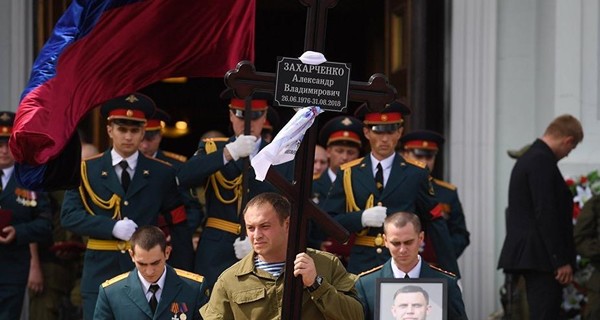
(123, 229)
(241, 247)
(241, 147)
(373, 217)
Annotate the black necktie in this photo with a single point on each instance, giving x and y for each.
(406, 276)
(379, 177)
(153, 302)
(125, 178)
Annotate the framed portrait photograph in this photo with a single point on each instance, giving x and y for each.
(422, 299)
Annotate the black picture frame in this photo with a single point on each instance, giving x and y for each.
(437, 290)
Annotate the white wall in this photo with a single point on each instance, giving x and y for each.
(471, 144)
(516, 64)
(15, 50)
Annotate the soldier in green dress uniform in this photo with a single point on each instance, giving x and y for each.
(403, 236)
(423, 145)
(150, 147)
(120, 190)
(343, 138)
(218, 165)
(25, 217)
(153, 289)
(383, 181)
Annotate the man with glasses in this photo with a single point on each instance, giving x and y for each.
(423, 145)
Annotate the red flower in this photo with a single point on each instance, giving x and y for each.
(576, 210)
(583, 180)
(570, 182)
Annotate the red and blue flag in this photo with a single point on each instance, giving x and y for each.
(101, 49)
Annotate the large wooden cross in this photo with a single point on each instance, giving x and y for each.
(377, 92)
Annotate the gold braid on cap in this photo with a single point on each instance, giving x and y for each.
(217, 179)
(113, 202)
(351, 202)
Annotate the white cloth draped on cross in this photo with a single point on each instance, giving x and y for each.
(284, 146)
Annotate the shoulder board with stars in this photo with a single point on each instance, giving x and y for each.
(161, 161)
(364, 273)
(219, 139)
(417, 163)
(351, 163)
(438, 269)
(444, 184)
(189, 275)
(115, 279)
(175, 156)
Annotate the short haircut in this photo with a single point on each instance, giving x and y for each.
(400, 219)
(412, 289)
(148, 237)
(281, 205)
(565, 126)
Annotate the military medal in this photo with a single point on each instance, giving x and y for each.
(175, 310)
(33, 202)
(183, 310)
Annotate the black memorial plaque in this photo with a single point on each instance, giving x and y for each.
(301, 85)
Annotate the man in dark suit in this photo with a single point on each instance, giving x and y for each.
(121, 189)
(423, 145)
(183, 258)
(218, 165)
(25, 217)
(403, 237)
(153, 289)
(539, 241)
(367, 188)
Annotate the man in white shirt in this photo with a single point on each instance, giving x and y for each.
(153, 289)
(403, 237)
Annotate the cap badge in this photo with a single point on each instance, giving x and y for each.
(347, 121)
(346, 134)
(384, 117)
(129, 112)
(131, 98)
(4, 129)
(425, 144)
(5, 117)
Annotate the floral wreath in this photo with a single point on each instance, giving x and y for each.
(582, 188)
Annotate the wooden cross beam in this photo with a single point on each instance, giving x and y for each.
(377, 92)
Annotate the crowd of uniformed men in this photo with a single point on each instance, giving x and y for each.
(134, 184)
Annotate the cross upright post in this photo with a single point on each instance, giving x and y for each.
(377, 93)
